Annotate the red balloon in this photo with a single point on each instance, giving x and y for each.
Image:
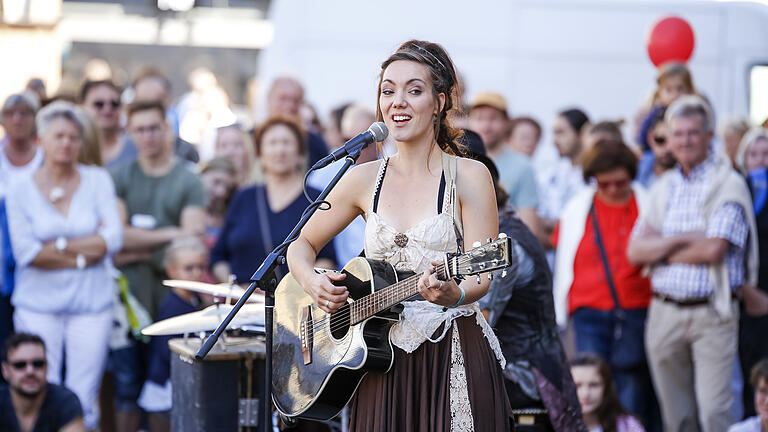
(670, 39)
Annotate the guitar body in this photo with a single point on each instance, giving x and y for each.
(320, 359)
(318, 366)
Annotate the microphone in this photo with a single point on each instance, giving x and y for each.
(376, 133)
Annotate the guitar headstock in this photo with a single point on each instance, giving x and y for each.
(493, 255)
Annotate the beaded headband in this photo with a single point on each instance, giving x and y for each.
(434, 57)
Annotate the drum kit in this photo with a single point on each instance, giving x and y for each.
(249, 320)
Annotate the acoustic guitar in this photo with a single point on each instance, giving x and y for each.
(319, 359)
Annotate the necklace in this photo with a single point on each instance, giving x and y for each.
(56, 193)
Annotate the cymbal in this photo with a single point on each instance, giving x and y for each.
(218, 290)
(251, 316)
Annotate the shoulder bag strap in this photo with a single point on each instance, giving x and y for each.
(266, 233)
(604, 257)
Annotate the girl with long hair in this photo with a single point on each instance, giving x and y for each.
(600, 405)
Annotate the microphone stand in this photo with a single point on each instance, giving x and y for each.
(266, 279)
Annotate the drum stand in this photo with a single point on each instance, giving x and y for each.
(265, 278)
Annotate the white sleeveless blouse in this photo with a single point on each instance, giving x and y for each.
(428, 240)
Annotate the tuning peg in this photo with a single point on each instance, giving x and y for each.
(476, 244)
(502, 235)
(490, 276)
(479, 280)
(504, 273)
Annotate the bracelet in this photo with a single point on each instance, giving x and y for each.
(461, 299)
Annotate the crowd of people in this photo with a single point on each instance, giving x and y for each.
(649, 254)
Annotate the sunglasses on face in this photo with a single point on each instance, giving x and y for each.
(22, 364)
(615, 183)
(660, 140)
(115, 104)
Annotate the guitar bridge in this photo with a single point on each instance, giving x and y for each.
(307, 334)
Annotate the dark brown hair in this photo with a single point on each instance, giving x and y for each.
(90, 85)
(146, 105)
(530, 120)
(607, 127)
(607, 155)
(17, 339)
(444, 80)
(610, 408)
(759, 371)
(291, 123)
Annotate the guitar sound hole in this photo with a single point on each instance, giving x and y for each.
(340, 323)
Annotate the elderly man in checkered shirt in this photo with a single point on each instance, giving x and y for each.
(696, 237)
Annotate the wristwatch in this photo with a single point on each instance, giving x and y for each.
(61, 244)
(80, 261)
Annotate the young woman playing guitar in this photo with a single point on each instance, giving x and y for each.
(419, 204)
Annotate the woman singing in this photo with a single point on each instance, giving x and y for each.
(419, 204)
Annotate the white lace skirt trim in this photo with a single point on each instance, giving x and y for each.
(420, 319)
(461, 409)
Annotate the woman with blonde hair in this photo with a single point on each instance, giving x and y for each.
(90, 152)
(236, 144)
(752, 161)
(753, 150)
(65, 226)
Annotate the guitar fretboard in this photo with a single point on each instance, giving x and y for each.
(386, 298)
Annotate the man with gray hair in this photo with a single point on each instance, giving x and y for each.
(19, 153)
(20, 156)
(695, 236)
(285, 97)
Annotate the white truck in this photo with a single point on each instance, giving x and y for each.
(542, 55)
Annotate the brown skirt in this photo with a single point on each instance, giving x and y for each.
(415, 394)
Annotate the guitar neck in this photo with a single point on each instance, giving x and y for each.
(384, 299)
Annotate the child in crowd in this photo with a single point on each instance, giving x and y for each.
(187, 259)
(599, 401)
(759, 381)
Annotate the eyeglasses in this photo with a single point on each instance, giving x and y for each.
(21, 112)
(618, 184)
(660, 140)
(22, 364)
(114, 103)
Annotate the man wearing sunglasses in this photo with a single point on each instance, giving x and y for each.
(29, 402)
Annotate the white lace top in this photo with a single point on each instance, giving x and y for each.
(427, 241)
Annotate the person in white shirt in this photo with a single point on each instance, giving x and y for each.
(564, 180)
(64, 226)
(19, 157)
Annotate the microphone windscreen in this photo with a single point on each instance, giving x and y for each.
(379, 131)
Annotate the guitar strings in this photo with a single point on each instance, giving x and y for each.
(344, 311)
(342, 315)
